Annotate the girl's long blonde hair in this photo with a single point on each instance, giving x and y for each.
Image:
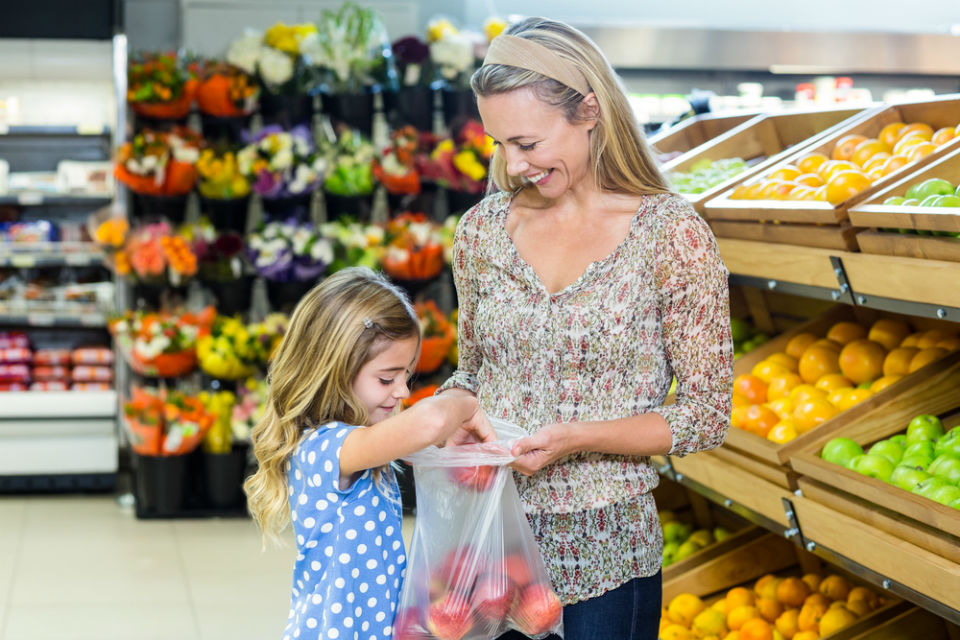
(619, 154)
(339, 326)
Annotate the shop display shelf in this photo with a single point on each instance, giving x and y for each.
(761, 143)
(775, 265)
(64, 318)
(40, 198)
(50, 254)
(938, 112)
(872, 216)
(913, 623)
(59, 404)
(693, 132)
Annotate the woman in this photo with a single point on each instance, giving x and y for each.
(585, 286)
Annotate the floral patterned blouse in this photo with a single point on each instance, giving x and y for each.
(605, 347)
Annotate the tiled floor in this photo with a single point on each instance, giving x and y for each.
(84, 568)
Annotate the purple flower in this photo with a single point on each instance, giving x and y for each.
(268, 184)
(410, 50)
(307, 269)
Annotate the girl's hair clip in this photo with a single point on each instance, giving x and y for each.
(367, 323)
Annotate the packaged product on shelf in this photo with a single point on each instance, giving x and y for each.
(29, 232)
(14, 373)
(93, 356)
(51, 373)
(86, 373)
(51, 357)
(49, 385)
(91, 386)
(16, 355)
(13, 386)
(14, 339)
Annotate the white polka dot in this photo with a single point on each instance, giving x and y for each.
(365, 626)
(328, 552)
(380, 616)
(311, 623)
(358, 612)
(328, 466)
(323, 447)
(332, 497)
(364, 587)
(361, 548)
(381, 579)
(300, 557)
(317, 479)
(375, 501)
(382, 517)
(290, 490)
(317, 598)
(293, 514)
(372, 602)
(371, 564)
(326, 527)
(300, 539)
(348, 622)
(306, 576)
(344, 558)
(355, 573)
(309, 522)
(351, 597)
(401, 558)
(390, 570)
(359, 510)
(369, 526)
(297, 474)
(312, 457)
(302, 499)
(296, 633)
(336, 607)
(315, 565)
(341, 432)
(378, 540)
(338, 583)
(389, 530)
(396, 583)
(322, 505)
(333, 633)
(312, 544)
(387, 631)
(351, 534)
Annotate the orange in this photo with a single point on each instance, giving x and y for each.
(836, 618)
(866, 150)
(810, 614)
(836, 398)
(806, 635)
(818, 361)
(810, 414)
(832, 382)
(943, 136)
(817, 598)
(738, 415)
(766, 586)
(738, 616)
(809, 179)
(676, 632)
(709, 623)
(852, 397)
(804, 392)
(740, 401)
(844, 332)
(826, 342)
(893, 163)
(876, 161)
(888, 332)
(811, 162)
(831, 167)
(759, 420)
(740, 192)
(783, 190)
(921, 129)
(684, 608)
(820, 194)
(756, 629)
(912, 339)
(798, 344)
(770, 609)
(835, 587)
(769, 188)
(932, 337)
(750, 387)
(907, 142)
(925, 357)
(781, 385)
(882, 383)
(738, 597)
(786, 624)
(897, 362)
(783, 432)
(786, 173)
(921, 150)
(865, 595)
(812, 580)
(733, 635)
(862, 361)
(846, 146)
(890, 134)
(766, 370)
(787, 361)
(950, 344)
(846, 184)
(801, 192)
(858, 608)
(792, 591)
(783, 407)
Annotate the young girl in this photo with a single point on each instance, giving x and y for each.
(325, 444)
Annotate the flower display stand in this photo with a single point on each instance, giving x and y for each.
(409, 105)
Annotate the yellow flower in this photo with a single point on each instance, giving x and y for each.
(493, 27)
(466, 163)
(443, 147)
(440, 28)
(282, 38)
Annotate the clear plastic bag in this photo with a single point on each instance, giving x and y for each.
(474, 570)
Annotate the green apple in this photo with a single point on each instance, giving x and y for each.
(946, 494)
(947, 467)
(675, 531)
(667, 516)
(922, 448)
(915, 461)
(908, 477)
(924, 427)
(895, 200)
(949, 201)
(670, 551)
(875, 467)
(929, 201)
(888, 449)
(720, 534)
(948, 443)
(854, 461)
(702, 537)
(900, 439)
(912, 191)
(687, 549)
(955, 504)
(739, 330)
(841, 451)
(957, 192)
(928, 486)
(933, 187)
(910, 202)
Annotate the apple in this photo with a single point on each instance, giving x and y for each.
(449, 618)
(477, 478)
(895, 200)
(933, 186)
(924, 427)
(537, 610)
(493, 596)
(946, 494)
(910, 202)
(670, 552)
(900, 439)
(687, 549)
(923, 449)
(854, 461)
(955, 504)
(516, 567)
(676, 531)
(919, 462)
(957, 192)
(458, 571)
(948, 201)
(841, 451)
(948, 443)
(947, 467)
(875, 467)
(929, 201)
(928, 486)
(908, 477)
(888, 449)
(720, 534)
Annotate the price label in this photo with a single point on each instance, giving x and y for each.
(92, 320)
(41, 319)
(79, 259)
(23, 261)
(28, 198)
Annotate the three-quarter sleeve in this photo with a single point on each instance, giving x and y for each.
(464, 279)
(695, 316)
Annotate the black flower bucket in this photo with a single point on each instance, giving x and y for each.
(285, 208)
(286, 110)
(173, 208)
(461, 201)
(223, 475)
(409, 106)
(360, 208)
(283, 296)
(160, 484)
(355, 110)
(227, 214)
(224, 129)
(233, 296)
(459, 105)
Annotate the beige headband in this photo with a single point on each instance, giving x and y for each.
(527, 54)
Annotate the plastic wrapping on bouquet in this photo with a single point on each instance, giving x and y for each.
(409, 105)
(355, 110)
(286, 110)
(360, 208)
(227, 214)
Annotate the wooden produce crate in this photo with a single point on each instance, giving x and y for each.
(762, 142)
(842, 237)
(693, 132)
(939, 112)
(873, 215)
(933, 526)
(913, 623)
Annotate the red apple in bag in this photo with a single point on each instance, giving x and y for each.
(477, 478)
(457, 572)
(537, 610)
(493, 596)
(518, 569)
(449, 618)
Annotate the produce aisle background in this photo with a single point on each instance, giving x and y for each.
(79, 567)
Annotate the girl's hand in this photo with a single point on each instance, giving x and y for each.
(545, 447)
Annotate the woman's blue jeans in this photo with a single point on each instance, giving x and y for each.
(629, 612)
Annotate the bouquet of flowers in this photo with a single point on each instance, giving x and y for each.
(159, 86)
(220, 404)
(249, 408)
(166, 423)
(230, 351)
(351, 166)
(282, 163)
(463, 164)
(220, 177)
(219, 254)
(226, 91)
(279, 58)
(412, 58)
(354, 243)
(414, 249)
(453, 52)
(159, 163)
(447, 232)
(154, 254)
(288, 251)
(349, 47)
(438, 336)
(161, 344)
(270, 332)
(397, 171)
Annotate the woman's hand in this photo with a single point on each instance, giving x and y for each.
(476, 429)
(545, 447)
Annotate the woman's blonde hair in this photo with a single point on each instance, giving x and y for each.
(340, 325)
(621, 159)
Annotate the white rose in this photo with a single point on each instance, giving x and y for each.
(245, 158)
(275, 66)
(454, 54)
(282, 160)
(244, 52)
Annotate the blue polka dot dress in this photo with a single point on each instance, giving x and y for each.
(351, 559)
